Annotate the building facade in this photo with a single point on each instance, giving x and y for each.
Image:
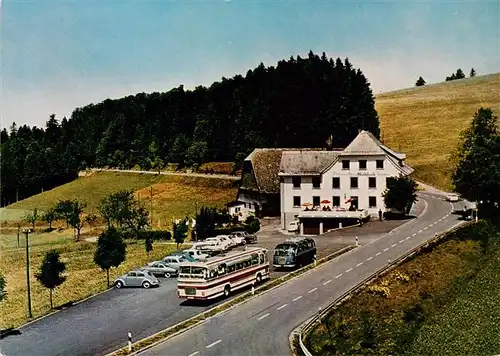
(336, 184)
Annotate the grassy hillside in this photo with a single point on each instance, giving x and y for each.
(425, 122)
(173, 196)
(84, 278)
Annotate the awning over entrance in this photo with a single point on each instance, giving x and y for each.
(358, 214)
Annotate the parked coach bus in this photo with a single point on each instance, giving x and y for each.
(294, 252)
(222, 275)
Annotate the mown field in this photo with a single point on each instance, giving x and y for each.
(425, 122)
(442, 302)
(84, 278)
(173, 196)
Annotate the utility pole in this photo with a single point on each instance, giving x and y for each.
(26, 233)
(151, 213)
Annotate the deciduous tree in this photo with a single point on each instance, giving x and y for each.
(32, 218)
(123, 211)
(49, 216)
(50, 273)
(472, 73)
(400, 194)
(111, 250)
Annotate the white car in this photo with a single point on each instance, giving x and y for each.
(197, 254)
(238, 239)
(452, 197)
(293, 226)
(209, 246)
(224, 240)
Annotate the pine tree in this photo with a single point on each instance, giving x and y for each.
(472, 73)
(420, 82)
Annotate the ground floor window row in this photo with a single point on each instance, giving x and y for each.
(335, 202)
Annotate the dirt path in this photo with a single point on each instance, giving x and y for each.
(202, 175)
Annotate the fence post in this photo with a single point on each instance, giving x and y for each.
(357, 244)
(129, 342)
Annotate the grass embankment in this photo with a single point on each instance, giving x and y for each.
(425, 122)
(442, 302)
(173, 196)
(84, 278)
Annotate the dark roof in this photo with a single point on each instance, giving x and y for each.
(234, 203)
(306, 162)
(266, 165)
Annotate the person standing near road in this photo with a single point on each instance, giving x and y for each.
(380, 214)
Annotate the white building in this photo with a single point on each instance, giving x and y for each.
(240, 209)
(349, 182)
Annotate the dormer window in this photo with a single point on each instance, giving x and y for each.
(380, 164)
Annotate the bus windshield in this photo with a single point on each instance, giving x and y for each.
(285, 249)
(193, 272)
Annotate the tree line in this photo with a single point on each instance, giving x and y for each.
(300, 102)
(459, 74)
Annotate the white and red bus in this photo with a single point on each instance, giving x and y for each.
(223, 274)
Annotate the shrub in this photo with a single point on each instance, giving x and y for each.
(216, 168)
(379, 291)
(155, 235)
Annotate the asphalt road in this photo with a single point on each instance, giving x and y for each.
(100, 324)
(262, 325)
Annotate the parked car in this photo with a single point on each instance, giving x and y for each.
(137, 278)
(160, 268)
(293, 226)
(223, 241)
(238, 239)
(174, 260)
(452, 197)
(197, 254)
(182, 253)
(249, 238)
(209, 247)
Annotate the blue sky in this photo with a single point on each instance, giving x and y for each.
(59, 55)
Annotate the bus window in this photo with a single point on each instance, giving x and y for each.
(221, 269)
(255, 259)
(213, 273)
(265, 257)
(231, 268)
(248, 262)
(261, 258)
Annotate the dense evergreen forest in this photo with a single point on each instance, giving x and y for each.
(299, 102)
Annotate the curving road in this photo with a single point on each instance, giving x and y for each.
(262, 325)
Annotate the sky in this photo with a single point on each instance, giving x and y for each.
(60, 55)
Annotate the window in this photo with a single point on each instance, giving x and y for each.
(238, 210)
(336, 201)
(296, 202)
(354, 182)
(372, 182)
(372, 202)
(316, 182)
(354, 201)
(345, 164)
(380, 164)
(316, 201)
(336, 182)
(362, 164)
(296, 182)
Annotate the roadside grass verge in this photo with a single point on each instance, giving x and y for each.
(403, 307)
(425, 122)
(470, 325)
(173, 196)
(84, 278)
(189, 323)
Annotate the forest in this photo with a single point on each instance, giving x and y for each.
(300, 102)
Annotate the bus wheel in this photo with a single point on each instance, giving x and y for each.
(259, 278)
(227, 291)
